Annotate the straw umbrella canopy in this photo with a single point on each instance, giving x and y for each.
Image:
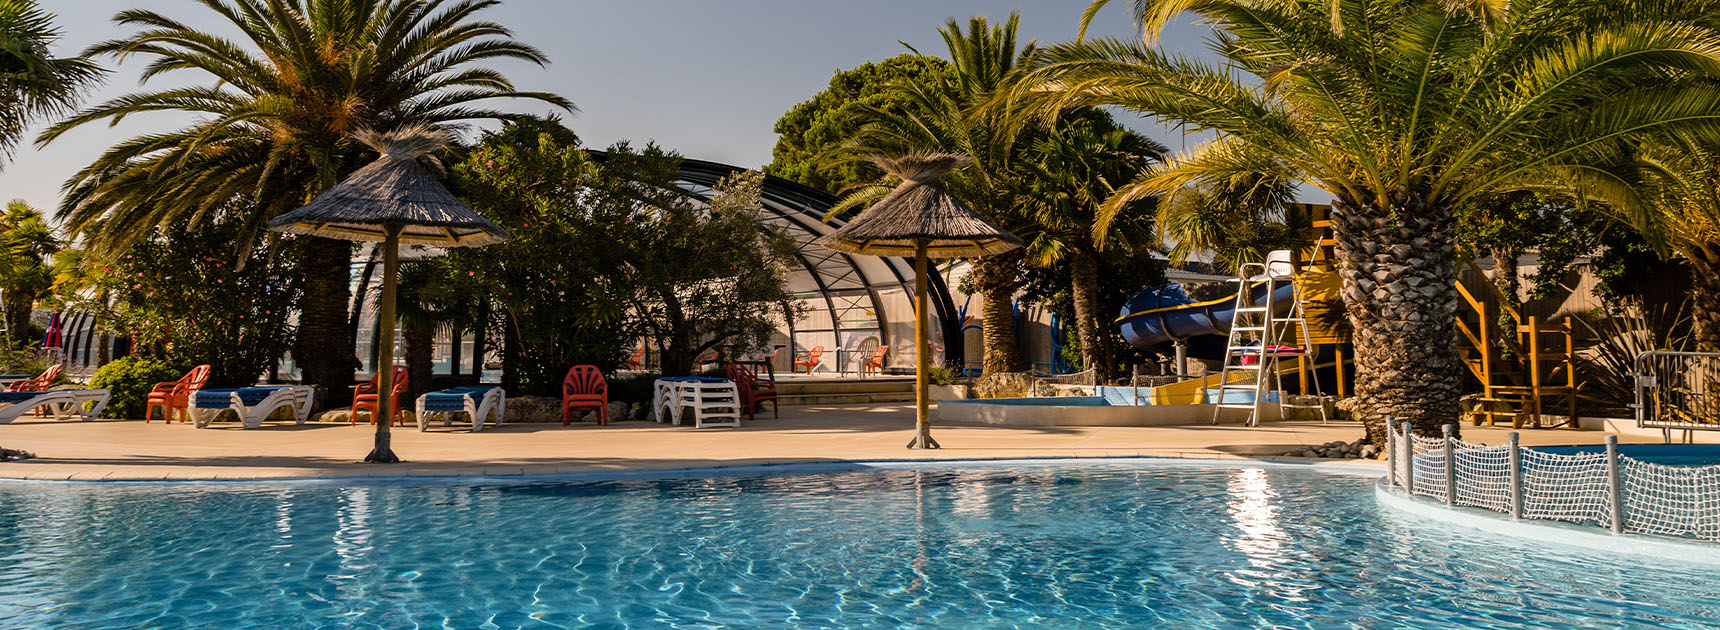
(395, 200)
(920, 219)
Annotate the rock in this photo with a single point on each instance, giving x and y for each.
(637, 412)
(533, 409)
(617, 410)
(1370, 451)
(1310, 453)
(1353, 456)
(342, 415)
(1003, 385)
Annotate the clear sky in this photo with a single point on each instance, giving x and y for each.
(707, 78)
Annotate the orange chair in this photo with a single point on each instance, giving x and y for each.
(584, 388)
(176, 396)
(875, 365)
(754, 389)
(810, 360)
(365, 397)
(637, 359)
(39, 384)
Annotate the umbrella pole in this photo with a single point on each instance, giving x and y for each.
(922, 416)
(384, 415)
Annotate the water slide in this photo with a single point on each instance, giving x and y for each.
(1165, 314)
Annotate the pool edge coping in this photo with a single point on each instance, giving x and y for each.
(1349, 467)
(1568, 534)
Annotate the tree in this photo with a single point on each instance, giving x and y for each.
(1405, 111)
(180, 296)
(1070, 173)
(706, 277)
(810, 131)
(35, 85)
(1236, 222)
(27, 247)
(940, 114)
(606, 250)
(276, 112)
(1677, 184)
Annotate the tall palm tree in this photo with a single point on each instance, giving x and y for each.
(1071, 172)
(35, 85)
(1403, 110)
(276, 112)
(1235, 222)
(27, 247)
(939, 113)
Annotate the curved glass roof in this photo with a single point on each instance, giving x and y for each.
(855, 303)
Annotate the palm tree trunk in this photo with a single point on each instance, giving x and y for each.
(17, 312)
(1399, 268)
(1705, 297)
(324, 349)
(997, 278)
(1095, 352)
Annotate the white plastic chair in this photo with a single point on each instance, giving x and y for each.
(64, 404)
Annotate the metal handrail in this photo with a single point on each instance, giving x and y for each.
(1677, 399)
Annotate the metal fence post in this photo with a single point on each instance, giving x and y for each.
(1516, 477)
(1450, 466)
(1408, 460)
(1391, 452)
(1613, 484)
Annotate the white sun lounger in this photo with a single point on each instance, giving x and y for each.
(252, 404)
(64, 404)
(477, 402)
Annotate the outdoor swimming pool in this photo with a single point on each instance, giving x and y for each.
(1119, 545)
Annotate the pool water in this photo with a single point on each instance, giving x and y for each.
(1141, 545)
(1667, 454)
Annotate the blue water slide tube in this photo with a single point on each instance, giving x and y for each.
(1165, 313)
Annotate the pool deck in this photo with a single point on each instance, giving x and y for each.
(133, 450)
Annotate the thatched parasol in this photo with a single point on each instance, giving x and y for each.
(920, 219)
(395, 200)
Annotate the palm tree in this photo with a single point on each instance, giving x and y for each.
(1677, 207)
(1235, 222)
(938, 113)
(1072, 171)
(1405, 111)
(27, 247)
(34, 85)
(276, 115)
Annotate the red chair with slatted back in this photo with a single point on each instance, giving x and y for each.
(875, 365)
(810, 360)
(584, 388)
(755, 389)
(365, 397)
(176, 396)
(39, 384)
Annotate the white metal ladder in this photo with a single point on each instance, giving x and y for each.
(1259, 333)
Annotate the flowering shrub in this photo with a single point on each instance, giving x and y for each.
(128, 381)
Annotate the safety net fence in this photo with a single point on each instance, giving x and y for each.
(1603, 489)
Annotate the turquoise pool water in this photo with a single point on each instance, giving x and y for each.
(1668, 454)
(1147, 545)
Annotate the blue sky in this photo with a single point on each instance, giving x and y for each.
(707, 78)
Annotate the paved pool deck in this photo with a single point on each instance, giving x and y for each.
(134, 450)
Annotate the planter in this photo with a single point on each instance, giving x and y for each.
(947, 392)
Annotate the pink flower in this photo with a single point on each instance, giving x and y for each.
(471, 273)
(489, 162)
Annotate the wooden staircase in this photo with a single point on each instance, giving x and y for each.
(1524, 367)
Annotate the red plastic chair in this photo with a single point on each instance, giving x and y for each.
(875, 365)
(637, 359)
(39, 384)
(364, 397)
(584, 388)
(753, 389)
(176, 396)
(811, 360)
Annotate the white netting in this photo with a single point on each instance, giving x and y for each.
(1672, 500)
(1566, 487)
(1484, 477)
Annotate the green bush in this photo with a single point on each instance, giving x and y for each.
(632, 388)
(128, 381)
(22, 358)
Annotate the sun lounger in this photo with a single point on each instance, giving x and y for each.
(65, 404)
(252, 404)
(475, 401)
